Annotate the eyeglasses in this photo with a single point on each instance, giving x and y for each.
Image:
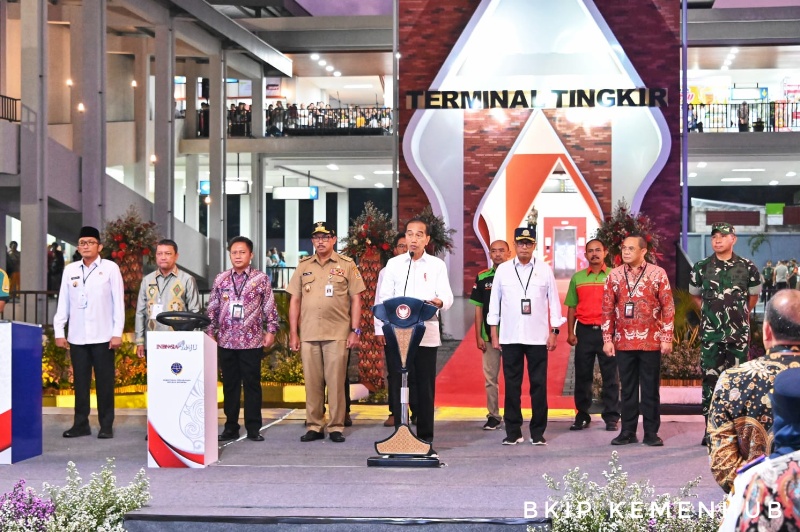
(401, 246)
(87, 243)
(322, 238)
(525, 243)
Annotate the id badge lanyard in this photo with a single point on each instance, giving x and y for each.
(525, 303)
(83, 299)
(237, 306)
(158, 307)
(629, 304)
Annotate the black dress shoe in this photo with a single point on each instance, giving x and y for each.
(653, 440)
(580, 424)
(255, 436)
(312, 435)
(625, 438)
(347, 421)
(105, 434)
(227, 435)
(74, 433)
(704, 441)
(336, 437)
(611, 426)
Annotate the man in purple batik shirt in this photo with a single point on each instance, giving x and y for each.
(241, 306)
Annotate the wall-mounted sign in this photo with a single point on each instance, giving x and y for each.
(527, 99)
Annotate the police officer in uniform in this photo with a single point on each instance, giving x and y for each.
(324, 317)
(726, 287)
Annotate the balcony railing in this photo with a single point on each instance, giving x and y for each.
(767, 116)
(292, 122)
(9, 109)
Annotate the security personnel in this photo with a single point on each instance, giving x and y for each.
(768, 275)
(324, 318)
(726, 287)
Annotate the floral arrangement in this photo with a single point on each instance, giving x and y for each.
(21, 510)
(130, 235)
(684, 360)
(372, 230)
(97, 505)
(620, 505)
(129, 368)
(441, 236)
(620, 225)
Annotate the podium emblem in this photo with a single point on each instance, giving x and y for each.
(403, 312)
(176, 368)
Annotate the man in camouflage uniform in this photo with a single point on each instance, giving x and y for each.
(768, 273)
(726, 287)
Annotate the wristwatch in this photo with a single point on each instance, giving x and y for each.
(555, 331)
(357, 331)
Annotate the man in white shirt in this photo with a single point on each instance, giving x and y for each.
(422, 276)
(525, 298)
(91, 300)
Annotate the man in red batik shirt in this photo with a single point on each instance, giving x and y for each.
(637, 328)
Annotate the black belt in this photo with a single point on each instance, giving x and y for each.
(593, 327)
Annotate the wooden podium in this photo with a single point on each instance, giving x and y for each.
(20, 391)
(181, 399)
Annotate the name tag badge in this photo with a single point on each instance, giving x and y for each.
(155, 310)
(328, 290)
(629, 309)
(83, 301)
(525, 306)
(237, 310)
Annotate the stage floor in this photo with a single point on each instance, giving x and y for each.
(285, 477)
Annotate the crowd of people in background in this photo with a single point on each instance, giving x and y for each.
(783, 274)
(280, 119)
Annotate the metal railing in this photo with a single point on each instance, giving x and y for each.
(293, 122)
(766, 116)
(10, 108)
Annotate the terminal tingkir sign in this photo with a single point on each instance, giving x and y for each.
(527, 99)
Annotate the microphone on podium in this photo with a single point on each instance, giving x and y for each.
(410, 254)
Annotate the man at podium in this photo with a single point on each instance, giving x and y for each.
(241, 306)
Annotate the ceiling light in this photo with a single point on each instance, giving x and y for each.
(728, 62)
(734, 50)
(724, 67)
(397, 55)
(134, 84)
(748, 170)
(359, 86)
(322, 62)
(69, 83)
(81, 107)
(791, 174)
(337, 73)
(314, 57)
(693, 174)
(736, 179)
(380, 185)
(702, 164)
(383, 172)
(359, 177)
(329, 68)
(332, 167)
(773, 182)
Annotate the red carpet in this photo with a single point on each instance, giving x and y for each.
(460, 383)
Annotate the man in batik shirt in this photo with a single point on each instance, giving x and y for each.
(244, 321)
(740, 416)
(725, 286)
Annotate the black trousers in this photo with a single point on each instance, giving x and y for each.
(639, 371)
(241, 368)
(84, 358)
(422, 390)
(514, 356)
(589, 347)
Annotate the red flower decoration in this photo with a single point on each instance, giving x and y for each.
(385, 246)
(146, 251)
(123, 246)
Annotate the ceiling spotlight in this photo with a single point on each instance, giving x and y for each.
(69, 83)
(397, 55)
(728, 62)
(382, 172)
(773, 182)
(380, 185)
(748, 170)
(81, 107)
(734, 50)
(702, 164)
(322, 62)
(724, 67)
(329, 68)
(134, 84)
(359, 177)
(693, 174)
(337, 73)
(736, 179)
(332, 167)
(314, 57)
(791, 174)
